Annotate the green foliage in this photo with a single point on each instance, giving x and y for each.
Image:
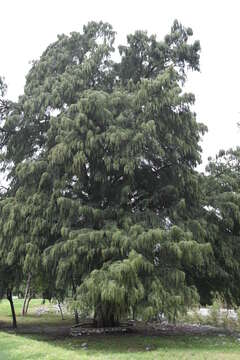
(215, 309)
(101, 157)
(222, 218)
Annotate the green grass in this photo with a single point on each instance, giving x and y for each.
(18, 346)
(32, 319)
(6, 311)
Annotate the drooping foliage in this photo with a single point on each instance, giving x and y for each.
(102, 159)
(222, 215)
(10, 270)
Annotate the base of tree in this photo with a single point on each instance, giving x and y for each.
(80, 331)
(89, 327)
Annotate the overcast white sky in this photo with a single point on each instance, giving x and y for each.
(27, 27)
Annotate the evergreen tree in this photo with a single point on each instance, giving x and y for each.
(10, 271)
(10, 267)
(102, 158)
(222, 216)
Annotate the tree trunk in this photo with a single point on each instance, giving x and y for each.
(76, 317)
(74, 295)
(10, 299)
(134, 313)
(104, 317)
(28, 302)
(26, 295)
(60, 308)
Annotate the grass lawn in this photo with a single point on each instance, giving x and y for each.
(32, 319)
(5, 307)
(17, 346)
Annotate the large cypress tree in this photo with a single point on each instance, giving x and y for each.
(103, 157)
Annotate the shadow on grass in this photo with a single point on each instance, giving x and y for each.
(120, 344)
(47, 336)
(111, 347)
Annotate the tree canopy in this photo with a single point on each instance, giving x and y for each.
(104, 199)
